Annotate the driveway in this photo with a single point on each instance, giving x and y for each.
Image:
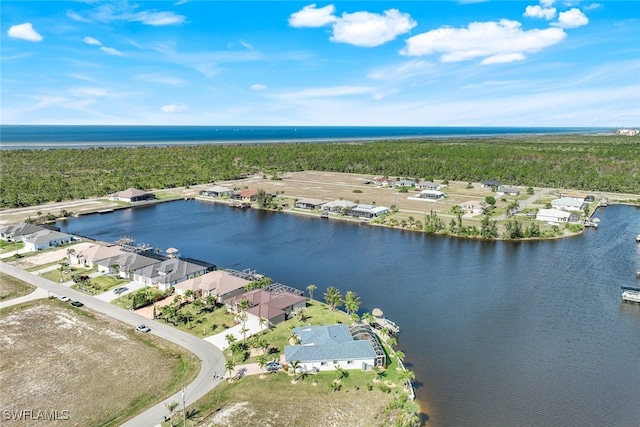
(110, 296)
(220, 340)
(211, 358)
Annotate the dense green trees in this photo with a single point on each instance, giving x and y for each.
(586, 162)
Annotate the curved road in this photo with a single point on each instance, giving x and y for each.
(211, 358)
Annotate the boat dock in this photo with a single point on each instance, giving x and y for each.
(380, 322)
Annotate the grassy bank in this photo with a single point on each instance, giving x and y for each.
(10, 287)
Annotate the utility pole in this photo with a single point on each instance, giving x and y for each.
(184, 408)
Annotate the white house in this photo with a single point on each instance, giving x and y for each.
(430, 195)
(474, 206)
(326, 347)
(131, 195)
(44, 239)
(553, 215)
(568, 204)
(368, 211)
(338, 206)
(427, 185)
(15, 233)
(217, 191)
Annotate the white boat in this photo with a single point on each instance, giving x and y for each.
(638, 238)
(632, 296)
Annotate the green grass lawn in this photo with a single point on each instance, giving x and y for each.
(10, 246)
(10, 287)
(100, 284)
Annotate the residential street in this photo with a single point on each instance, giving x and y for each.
(212, 359)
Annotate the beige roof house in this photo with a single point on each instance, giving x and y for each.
(95, 253)
(132, 195)
(219, 284)
(275, 308)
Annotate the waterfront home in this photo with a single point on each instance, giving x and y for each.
(368, 211)
(217, 191)
(274, 307)
(505, 191)
(167, 273)
(431, 195)
(125, 264)
(427, 185)
(474, 206)
(309, 204)
(327, 347)
(45, 239)
(219, 284)
(491, 183)
(338, 206)
(94, 253)
(569, 204)
(245, 196)
(131, 195)
(15, 233)
(553, 215)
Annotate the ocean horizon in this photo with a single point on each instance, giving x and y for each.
(15, 137)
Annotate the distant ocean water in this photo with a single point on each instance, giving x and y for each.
(48, 136)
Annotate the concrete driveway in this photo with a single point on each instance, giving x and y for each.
(110, 296)
(211, 358)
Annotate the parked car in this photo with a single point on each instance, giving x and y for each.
(64, 298)
(120, 290)
(143, 328)
(77, 304)
(274, 366)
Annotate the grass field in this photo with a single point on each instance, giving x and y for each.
(10, 287)
(56, 357)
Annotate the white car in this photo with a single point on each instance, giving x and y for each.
(63, 298)
(143, 328)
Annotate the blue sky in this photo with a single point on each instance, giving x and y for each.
(373, 63)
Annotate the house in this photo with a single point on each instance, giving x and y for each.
(431, 195)
(95, 253)
(125, 264)
(338, 206)
(131, 195)
(245, 196)
(427, 185)
(309, 204)
(15, 233)
(491, 183)
(274, 307)
(368, 211)
(505, 191)
(474, 206)
(568, 204)
(553, 215)
(222, 285)
(167, 273)
(45, 239)
(383, 181)
(327, 347)
(217, 191)
(404, 183)
(574, 218)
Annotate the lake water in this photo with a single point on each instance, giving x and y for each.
(497, 333)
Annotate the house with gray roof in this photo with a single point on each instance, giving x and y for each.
(309, 204)
(326, 347)
(217, 191)
(131, 195)
(492, 183)
(338, 206)
(569, 204)
(45, 239)
(167, 273)
(15, 233)
(368, 211)
(125, 264)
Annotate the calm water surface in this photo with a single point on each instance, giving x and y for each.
(497, 333)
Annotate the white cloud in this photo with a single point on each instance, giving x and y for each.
(371, 29)
(173, 108)
(540, 12)
(359, 28)
(502, 41)
(110, 51)
(572, 18)
(310, 16)
(158, 18)
(24, 32)
(258, 86)
(325, 92)
(161, 79)
(92, 41)
(547, 3)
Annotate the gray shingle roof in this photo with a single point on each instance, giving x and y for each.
(327, 343)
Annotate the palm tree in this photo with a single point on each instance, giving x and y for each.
(64, 268)
(380, 374)
(310, 289)
(368, 317)
(294, 366)
(230, 339)
(262, 362)
(189, 294)
(264, 345)
(400, 356)
(171, 407)
(333, 297)
(230, 366)
(351, 302)
(203, 322)
(262, 322)
(341, 373)
(244, 305)
(406, 376)
(244, 334)
(70, 252)
(392, 342)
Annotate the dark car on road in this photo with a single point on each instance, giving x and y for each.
(120, 290)
(77, 304)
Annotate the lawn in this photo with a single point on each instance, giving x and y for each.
(100, 284)
(54, 356)
(66, 275)
(10, 287)
(10, 246)
(357, 400)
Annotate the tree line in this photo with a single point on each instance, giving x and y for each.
(582, 162)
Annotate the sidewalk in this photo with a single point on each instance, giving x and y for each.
(39, 293)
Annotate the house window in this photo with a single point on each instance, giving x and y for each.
(323, 363)
(349, 362)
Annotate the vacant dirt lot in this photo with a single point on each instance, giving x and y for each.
(57, 358)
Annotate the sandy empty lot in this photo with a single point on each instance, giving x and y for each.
(57, 358)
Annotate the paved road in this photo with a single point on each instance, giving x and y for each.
(211, 358)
